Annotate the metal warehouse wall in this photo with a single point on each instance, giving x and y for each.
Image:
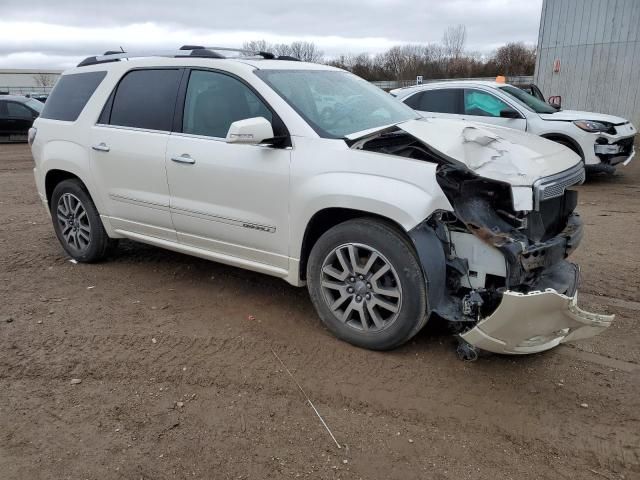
(597, 43)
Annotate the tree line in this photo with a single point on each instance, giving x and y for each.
(445, 59)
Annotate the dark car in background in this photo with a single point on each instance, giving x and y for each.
(41, 97)
(17, 114)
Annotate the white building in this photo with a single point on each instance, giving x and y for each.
(21, 81)
(589, 54)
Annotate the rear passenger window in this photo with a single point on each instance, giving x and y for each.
(214, 101)
(146, 99)
(442, 100)
(70, 95)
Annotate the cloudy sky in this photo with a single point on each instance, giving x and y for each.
(58, 33)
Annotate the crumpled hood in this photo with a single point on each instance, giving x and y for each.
(497, 153)
(570, 115)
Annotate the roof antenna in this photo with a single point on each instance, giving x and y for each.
(122, 50)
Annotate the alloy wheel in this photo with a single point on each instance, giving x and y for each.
(361, 287)
(74, 222)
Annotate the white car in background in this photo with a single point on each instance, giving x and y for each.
(603, 141)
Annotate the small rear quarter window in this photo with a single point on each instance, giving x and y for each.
(70, 95)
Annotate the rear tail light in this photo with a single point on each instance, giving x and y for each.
(31, 136)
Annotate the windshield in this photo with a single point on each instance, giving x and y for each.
(35, 105)
(334, 103)
(528, 100)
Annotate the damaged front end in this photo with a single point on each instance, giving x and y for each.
(496, 265)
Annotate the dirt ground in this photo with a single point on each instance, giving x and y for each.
(178, 377)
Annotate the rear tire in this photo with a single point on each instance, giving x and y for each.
(367, 285)
(77, 223)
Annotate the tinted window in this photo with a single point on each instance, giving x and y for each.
(214, 101)
(3, 109)
(442, 100)
(483, 104)
(17, 110)
(146, 99)
(70, 95)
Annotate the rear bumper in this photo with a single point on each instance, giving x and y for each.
(534, 322)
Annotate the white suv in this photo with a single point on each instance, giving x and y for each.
(387, 218)
(603, 141)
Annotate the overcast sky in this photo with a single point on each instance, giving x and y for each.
(58, 33)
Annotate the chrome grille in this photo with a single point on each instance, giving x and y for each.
(555, 185)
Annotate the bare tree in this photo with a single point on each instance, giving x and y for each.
(258, 46)
(281, 49)
(446, 59)
(45, 80)
(307, 52)
(515, 59)
(454, 40)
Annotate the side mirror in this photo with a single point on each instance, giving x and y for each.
(508, 113)
(556, 102)
(251, 131)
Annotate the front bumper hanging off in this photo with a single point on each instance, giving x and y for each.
(534, 322)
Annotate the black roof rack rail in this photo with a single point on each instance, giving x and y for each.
(104, 58)
(288, 57)
(184, 51)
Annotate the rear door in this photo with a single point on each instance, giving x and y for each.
(228, 198)
(129, 144)
(437, 102)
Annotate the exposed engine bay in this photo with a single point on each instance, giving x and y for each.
(490, 255)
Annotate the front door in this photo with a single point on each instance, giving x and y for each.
(227, 198)
(484, 107)
(128, 152)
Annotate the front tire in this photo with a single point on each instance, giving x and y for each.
(366, 283)
(77, 223)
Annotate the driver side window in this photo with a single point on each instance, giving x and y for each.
(483, 104)
(215, 100)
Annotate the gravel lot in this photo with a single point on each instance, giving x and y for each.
(178, 377)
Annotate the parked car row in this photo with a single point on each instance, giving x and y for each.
(311, 174)
(602, 141)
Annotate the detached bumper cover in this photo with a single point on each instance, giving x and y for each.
(621, 151)
(535, 322)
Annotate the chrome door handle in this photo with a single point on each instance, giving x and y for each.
(102, 147)
(184, 158)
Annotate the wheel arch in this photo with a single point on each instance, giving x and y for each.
(574, 145)
(328, 218)
(53, 177)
